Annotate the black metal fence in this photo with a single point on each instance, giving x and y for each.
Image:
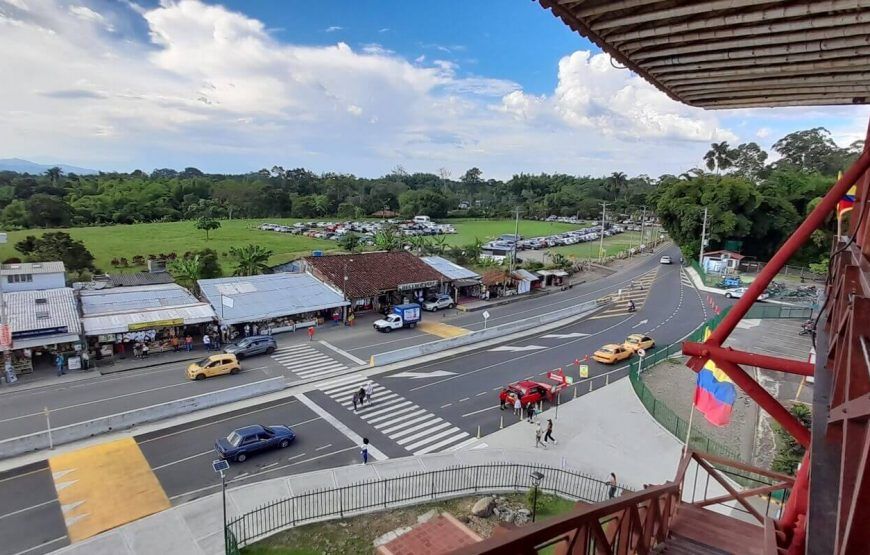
(408, 489)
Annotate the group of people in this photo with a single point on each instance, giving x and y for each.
(547, 434)
(364, 394)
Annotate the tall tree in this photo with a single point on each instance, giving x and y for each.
(748, 160)
(54, 174)
(719, 157)
(57, 246)
(812, 150)
(187, 271)
(387, 239)
(472, 176)
(207, 223)
(351, 242)
(251, 260)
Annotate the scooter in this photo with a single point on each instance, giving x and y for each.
(632, 308)
(808, 327)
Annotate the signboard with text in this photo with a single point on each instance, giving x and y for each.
(155, 324)
(418, 285)
(24, 334)
(584, 370)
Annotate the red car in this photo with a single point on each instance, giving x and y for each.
(527, 391)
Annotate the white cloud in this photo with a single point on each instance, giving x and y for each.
(384, 30)
(212, 88)
(334, 28)
(763, 133)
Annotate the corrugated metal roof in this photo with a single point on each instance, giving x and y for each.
(132, 299)
(57, 310)
(32, 268)
(526, 275)
(734, 54)
(451, 270)
(120, 322)
(140, 278)
(267, 296)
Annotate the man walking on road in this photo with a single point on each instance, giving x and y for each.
(370, 388)
(355, 400)
(549, 434)
(362, 395)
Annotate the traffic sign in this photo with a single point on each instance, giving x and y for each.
(486, 315)
(219, 465)
(584, 370)
(641, 353)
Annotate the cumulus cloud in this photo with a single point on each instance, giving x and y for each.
(206, 86)
(333, 28)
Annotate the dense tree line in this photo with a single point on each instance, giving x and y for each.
(747, 197)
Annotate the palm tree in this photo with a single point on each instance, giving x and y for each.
(251, 260)
(419, 244)
(187, 271)
(54, 174)
(719, 157)
(439, 244)
(617, 182)
(387, 239)
(473, 250)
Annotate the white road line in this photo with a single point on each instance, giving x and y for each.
(482, 393)
(24, 475)
(396, 403)
(40, 546)
(324, 447)
(344, 353)
(210, 451)
(433, 422)
(340, 381)
(24, 510)
(348, 433)
(447, 405)
(426, 434)
(296, 456)
(452, 430)
(479, 411)
(270, 465)
(414, 409)
(462, 445)
(347, 386)
(463, 399)
(443, 443)
(390, 427)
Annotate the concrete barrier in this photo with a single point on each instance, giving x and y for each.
(123, 420)
(407, 353)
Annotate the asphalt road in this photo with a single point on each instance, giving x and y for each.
(31, 520)
(23, 412)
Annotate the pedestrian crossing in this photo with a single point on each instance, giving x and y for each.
(412, 427)
(636, 291)
(306, 362)
(685, 279)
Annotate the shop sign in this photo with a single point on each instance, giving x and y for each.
(39, 332)
(5, 336)
(155, 324)
(418, 285)
(74, 363)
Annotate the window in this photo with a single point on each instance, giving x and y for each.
(19, 278)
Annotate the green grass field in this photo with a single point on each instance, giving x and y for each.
(128, 241)
(612, 245)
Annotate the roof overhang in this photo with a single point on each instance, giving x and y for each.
(721, 54)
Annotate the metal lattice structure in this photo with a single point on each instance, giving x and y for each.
(734, 53)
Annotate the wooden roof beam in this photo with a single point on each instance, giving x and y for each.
(744, 75)
(791, 42)
(788, 53)
(627, 41)
(762, 84)
(830, 90)
(846, 58)
(824, 100)
(609, 7)
(769, 15)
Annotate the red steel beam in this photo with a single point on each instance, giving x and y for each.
(766, 401)
(815, 219)
(750, 359)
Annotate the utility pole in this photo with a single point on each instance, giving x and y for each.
(601, 242)
(642, 224)
(703, 239)
(516, 239)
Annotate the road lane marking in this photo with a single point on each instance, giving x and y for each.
(321, 448)
(463, 399)
(348, 433)
(479, 411)
(447, 405)
(297, 456)
(24, 510)
(114, 485)
(40, 546)
(344, 353)
(482, 393)
(32, 472)
(516, 348)
(210, 451)
(270, 465)
(442, 330)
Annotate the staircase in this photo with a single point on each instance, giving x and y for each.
(678, 545)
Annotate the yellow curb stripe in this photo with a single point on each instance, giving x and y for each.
(445, 331)
(105, 486)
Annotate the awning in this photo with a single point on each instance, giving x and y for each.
(32, 342)
(121, 322)
(466, 282)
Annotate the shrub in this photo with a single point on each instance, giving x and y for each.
(789, 452)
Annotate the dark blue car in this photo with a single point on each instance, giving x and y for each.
(244, 442)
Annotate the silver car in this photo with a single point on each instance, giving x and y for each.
(254, 345)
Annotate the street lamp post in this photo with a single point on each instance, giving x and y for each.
(221, 466)
(536, 481)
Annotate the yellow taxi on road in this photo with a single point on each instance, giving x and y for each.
(214, 365)
(637, 341)
(610, 354)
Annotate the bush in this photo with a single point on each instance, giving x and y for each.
(789, 452)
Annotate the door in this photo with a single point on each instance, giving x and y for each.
(212, 369)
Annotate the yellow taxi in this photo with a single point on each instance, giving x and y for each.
(610, 354)
(214, 365)
(637, 341)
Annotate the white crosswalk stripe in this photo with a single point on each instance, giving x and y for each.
(686, 280)
(414, 428)
(638, 293)
(306, 362)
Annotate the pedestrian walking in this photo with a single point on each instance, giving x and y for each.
(254, 329)
(370, 389)
(530, 412)
(539, 432)
(174, 343)
(365, 450)
(145, 349)
(217, 341)
(549, 434)
(310, 333)
(188, 343)
(206, 340)
(362, 395)
(611, 491)
(518, 406)
(355, 400)
(137, 350)
(58, 361)
(86, 359)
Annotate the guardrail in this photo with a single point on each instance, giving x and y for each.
(501, 330)
(662, 413)
(128, 419)
(408, 489)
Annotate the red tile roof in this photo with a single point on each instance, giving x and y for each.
(372, 273)
(494, 277)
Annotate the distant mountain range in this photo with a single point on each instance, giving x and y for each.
(26, 166)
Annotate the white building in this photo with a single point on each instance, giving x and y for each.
(32, 276)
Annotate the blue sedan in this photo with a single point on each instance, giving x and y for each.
(242, 443)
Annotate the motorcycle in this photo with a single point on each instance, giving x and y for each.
(632, 308)
(808, 327)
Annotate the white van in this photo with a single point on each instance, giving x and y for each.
(422, 220)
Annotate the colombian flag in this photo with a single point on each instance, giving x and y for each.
(715, 392)
(847, 202)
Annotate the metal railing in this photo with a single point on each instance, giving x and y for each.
(408, 489)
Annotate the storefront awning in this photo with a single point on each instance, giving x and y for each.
(148, 319)
(34, 342)
(466, 282)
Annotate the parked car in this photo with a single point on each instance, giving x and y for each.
(665, 260)
(254, 345)
(527, 391)
(439, 302)
(243, 442)
(214, 365)
(637, 341)
(610, 354)
(739, 291)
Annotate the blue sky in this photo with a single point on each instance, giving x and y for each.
(348, 86)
